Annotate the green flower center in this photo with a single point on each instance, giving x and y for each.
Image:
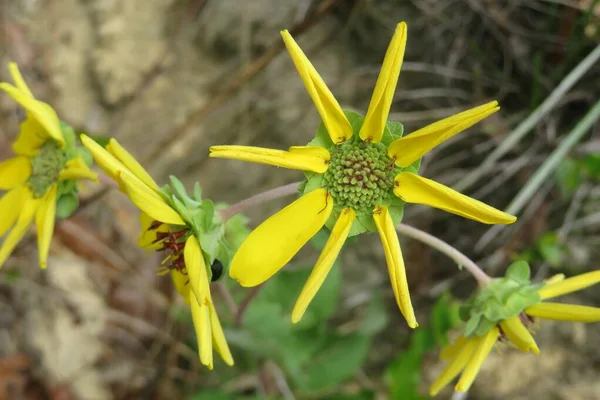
(46, 167)
(359, 175)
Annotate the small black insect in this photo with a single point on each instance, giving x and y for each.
(217, 270)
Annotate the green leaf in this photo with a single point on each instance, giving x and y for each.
(197, 191)
(519, 271)
(356, 121)
(236, 230)
(472, 323)
(403, 375)
(444, 316)
(179, 188)
(312, 183)
(285, 287)
(100, 139)
(551, 250)
(66, 205)
(85, 155)
(320, 239)
(568, 176)
(484, 327)
(321, 138)
(338, 361)
(376, 316)
(591, 165)
(393, 130)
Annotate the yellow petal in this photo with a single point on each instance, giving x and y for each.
(131, 163)
(31, 138)
(201, 318)
(10, 204)
(484, 346)
(44, 222)
(413, 188)
(395, 263)
(181, 285)
(30, 206)
(218, 337)
(77, 169)
(148, 236)
(410, 148)
(564, 312)
(569, 285)
(274, 242)
(109, 164)
(310, 160)
(14, 172)
(149, 201)
(456, 365)
(333, 116)
(516, 332)
(324, 263)
(383, 94)
(42, 112)
(452, 350)
(18, 78)
(312, 151)
(554, 279)
(196, 270)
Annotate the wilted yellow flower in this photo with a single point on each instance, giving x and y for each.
(42, 171)
(167, 227)
(359, 175)
(467, 354)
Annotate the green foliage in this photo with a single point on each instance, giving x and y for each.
(313, 355)
(403, 374)
(66, 205)
(568, 176)
(548, 249)
(501, 299)
(203, 218)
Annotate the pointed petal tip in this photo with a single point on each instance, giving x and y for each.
(295, 317)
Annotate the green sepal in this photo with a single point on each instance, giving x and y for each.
(85, 155)
(203, 219)
(70, 139)
(66, 205)
(519, 271)
(501, 299)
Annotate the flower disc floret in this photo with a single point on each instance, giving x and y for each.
(46, 167)
(359, 175)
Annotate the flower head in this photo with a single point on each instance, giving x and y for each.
(502, 312)
(359, 173)
(186, 229)
(40, 179)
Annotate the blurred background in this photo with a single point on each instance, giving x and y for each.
(169, 78)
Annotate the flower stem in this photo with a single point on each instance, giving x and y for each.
(272, 194)
(458, 257)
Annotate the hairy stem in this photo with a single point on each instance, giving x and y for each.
(269, 195)
(458, 257)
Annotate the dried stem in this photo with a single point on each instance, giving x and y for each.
(458, 257)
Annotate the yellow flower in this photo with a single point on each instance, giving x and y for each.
(466, 355)
(363, 177)
(166, 229)
(38, 175)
